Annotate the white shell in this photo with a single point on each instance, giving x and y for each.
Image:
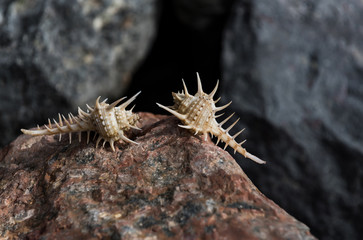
(104, 119)
(197, 113)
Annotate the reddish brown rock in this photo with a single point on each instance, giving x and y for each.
(170, 186)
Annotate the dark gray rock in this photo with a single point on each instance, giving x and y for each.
(54, 55)
(294, 70)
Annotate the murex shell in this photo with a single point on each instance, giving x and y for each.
(106, 120)
(197, 113)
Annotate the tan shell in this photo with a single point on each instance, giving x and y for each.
(197, 113)
(107, 120)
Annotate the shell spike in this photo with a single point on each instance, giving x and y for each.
(70, 118)
(200, 90)
(73, 118)
(112, 105)
(125, 104)
(66, 121)
(112, 145)
(230, 127)
(175, 113)
(128, 140)
(254, 158)
(217, 109)
(56, 124)
(82, 113)
(134, 127)
(217, 100)
(48, 128)
(220, 115)
(60, 119)
(88, 133)
(132, 108)
(89, 108)
(234, 136)
(97, 104)
(211, 95)
(185, 88)
(225, 146)
(225, 120)
(185, 126)
(98, 140)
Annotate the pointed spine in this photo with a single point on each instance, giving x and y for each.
(112, 105)
(211, 95)
(175, 113)
(217, 100)
(223, 135)
(73, 124)
(185, 88)
(217, 109)
(125, 104)
(200, 89)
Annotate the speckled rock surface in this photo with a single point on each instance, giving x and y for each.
(57, 54)
(170, 186)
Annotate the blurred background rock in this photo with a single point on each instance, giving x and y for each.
(294, 70)
(56, 55)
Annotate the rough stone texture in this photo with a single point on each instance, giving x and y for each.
(294, 70)
(172, 185)
(55, 54)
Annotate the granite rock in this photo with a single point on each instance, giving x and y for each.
(53, 53)
(172, 185)
(295, 70)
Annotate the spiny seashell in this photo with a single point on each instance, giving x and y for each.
(197, 113)
(107, 120)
